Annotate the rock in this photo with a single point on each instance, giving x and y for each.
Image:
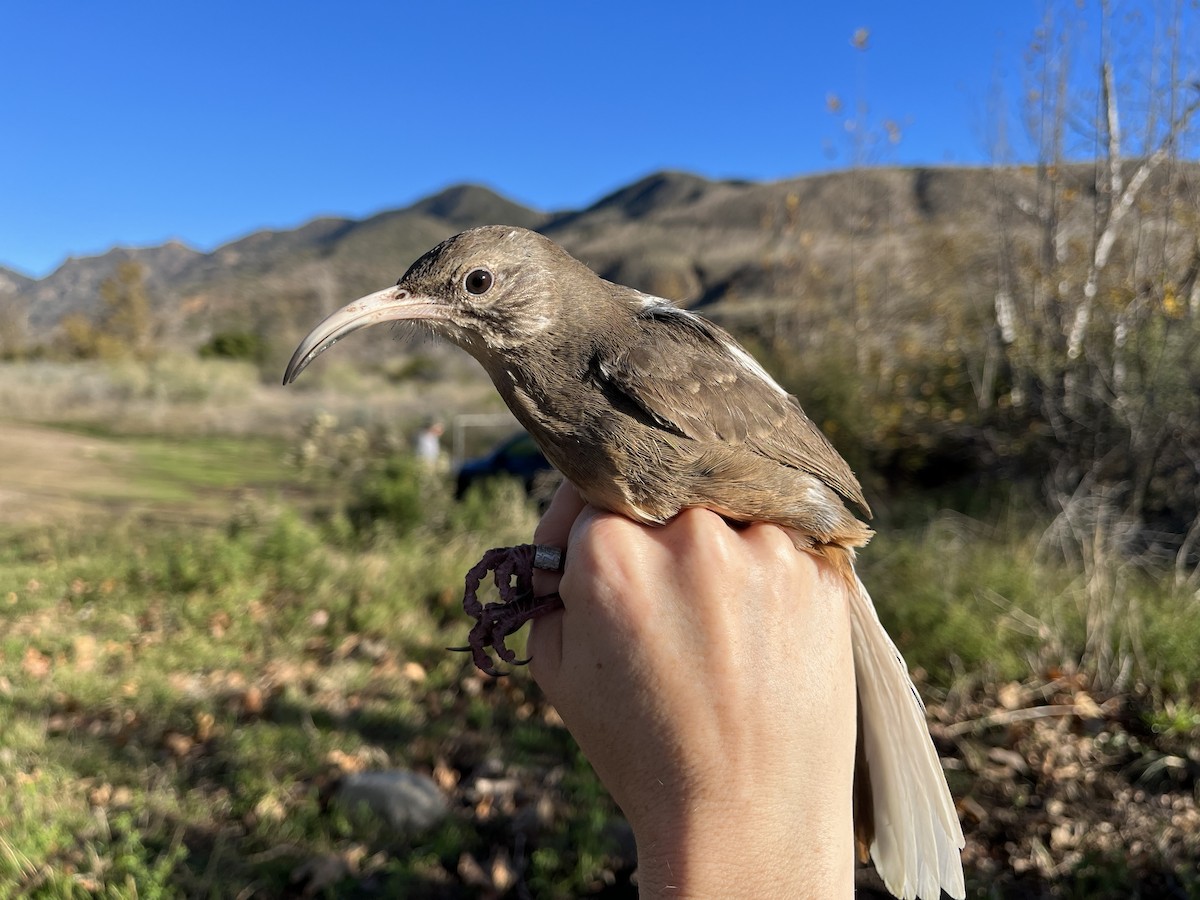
(406, 801)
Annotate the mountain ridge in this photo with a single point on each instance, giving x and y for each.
(734, 247)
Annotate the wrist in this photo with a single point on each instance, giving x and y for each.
(745, 848)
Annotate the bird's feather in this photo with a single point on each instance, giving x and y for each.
(673, 376)
(917, 832)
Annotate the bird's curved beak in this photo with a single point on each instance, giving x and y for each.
(382, 306)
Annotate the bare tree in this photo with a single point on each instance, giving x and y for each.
(1121, 192)
(1095, 316)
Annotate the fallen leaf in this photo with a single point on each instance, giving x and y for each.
(83, 649)
(445, 777)
(219, 624)
(471, 872)
(345, 762)
(1010, 759)
(1086, 707)
(178, 744)
(504, 876)
(1009, 695)
(483, 809)
(973, 808)
(253, 703)
(270, 809)
(35, 663)
(205, 723)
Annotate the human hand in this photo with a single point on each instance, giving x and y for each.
(706, 672)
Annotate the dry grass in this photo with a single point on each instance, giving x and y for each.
(187, 396)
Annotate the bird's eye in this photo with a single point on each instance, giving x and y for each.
(479, 281)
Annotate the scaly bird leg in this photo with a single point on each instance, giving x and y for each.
(495, 621)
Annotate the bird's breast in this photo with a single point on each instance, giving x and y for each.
(616, 465)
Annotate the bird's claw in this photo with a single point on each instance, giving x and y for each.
(515, 662)
(496, 621)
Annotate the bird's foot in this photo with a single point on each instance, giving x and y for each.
(496, 621)
(512, 569)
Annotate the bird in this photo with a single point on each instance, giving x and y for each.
(649, 409)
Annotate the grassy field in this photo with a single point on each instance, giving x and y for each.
(205, 635)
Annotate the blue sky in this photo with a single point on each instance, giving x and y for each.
(135, 122)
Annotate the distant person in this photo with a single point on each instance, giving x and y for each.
(429, 444)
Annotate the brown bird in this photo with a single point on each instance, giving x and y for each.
(649, 409)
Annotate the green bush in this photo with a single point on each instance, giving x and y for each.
(400, 492)
(245, 346)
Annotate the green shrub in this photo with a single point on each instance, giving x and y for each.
(489, 502)
(245, 346)
(400, 492)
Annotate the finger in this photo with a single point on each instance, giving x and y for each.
(556, 522)
(545, 632)
(549, 635)
(597, 538)
(767, 542)
(554, 530)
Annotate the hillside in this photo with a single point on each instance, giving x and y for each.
(889, 244)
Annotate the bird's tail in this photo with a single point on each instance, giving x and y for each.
(917, 836)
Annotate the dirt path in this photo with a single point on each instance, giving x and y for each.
(49, 475)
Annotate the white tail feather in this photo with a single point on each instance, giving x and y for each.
(917, 833)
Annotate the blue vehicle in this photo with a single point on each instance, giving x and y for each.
(516, 456)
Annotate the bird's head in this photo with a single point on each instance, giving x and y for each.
(490, 290)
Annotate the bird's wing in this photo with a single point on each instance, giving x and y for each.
(690, 377)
